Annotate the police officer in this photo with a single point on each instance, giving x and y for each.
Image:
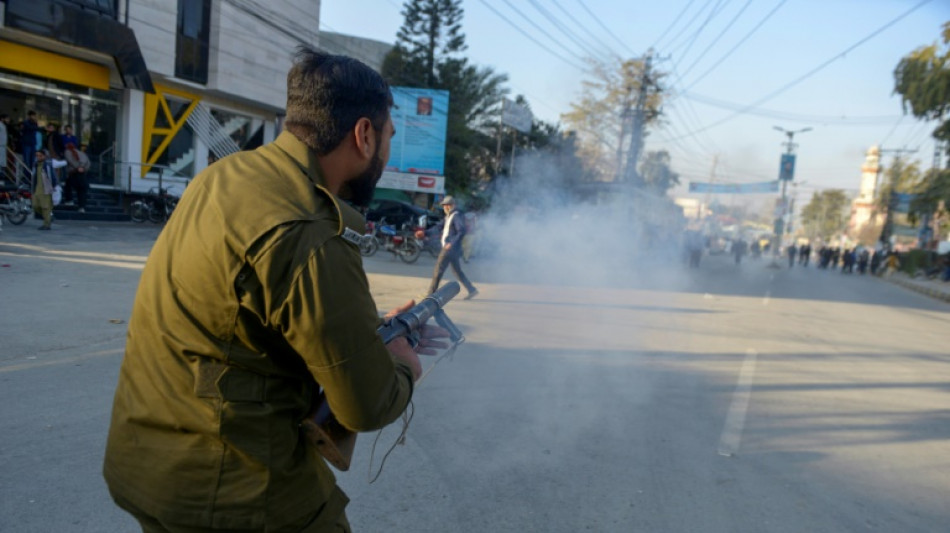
(252, 299)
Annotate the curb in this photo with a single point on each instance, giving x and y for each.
(929, 291)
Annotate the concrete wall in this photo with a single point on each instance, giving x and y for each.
(366, 50)
(249, 55)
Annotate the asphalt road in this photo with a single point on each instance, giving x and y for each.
(588, 396)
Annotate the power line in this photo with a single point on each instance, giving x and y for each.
(812, 71)
(851, 121)
(672, 24)
(737, 45)
(712, 14)
(565, 30)
(583, 27)
(535, 41)
(716, 40)
(688, 24)
(602, 25)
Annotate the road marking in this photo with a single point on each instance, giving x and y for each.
(735, 420)
(63, 361)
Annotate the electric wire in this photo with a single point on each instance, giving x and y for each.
(531, 38)
(811, 72)
(672, 24)
(573, 37)
(602, 25)
(542, 30)
(584, 28)
(716, 39)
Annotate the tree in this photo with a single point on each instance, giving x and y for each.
(933, 198)
(900, 177)
(824, 215)
(922, 78)
(602, 115)
(431, 30)
(656, 172)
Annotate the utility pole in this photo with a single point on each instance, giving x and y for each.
(640, 116)
(785, 175)
(888, 230)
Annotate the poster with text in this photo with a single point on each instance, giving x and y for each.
(420, 118)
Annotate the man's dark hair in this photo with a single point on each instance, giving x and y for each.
(3, 116)
(31, 113)
(327, 94)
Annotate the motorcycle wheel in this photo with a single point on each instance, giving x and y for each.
(409, 251)
(18, 216)
(368, 245)
(156, 214)
(139, 211)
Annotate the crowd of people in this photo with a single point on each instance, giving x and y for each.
(51, 153)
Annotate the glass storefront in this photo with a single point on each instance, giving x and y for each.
(92, 113)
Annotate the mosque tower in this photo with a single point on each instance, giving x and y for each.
(862, 208)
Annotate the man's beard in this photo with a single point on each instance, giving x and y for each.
(360, 189)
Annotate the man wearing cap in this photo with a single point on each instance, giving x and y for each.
(451, 230)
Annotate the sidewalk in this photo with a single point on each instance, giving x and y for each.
(931, 287)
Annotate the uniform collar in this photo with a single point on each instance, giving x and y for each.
(350, 219)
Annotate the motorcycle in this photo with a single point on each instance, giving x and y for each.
(15, 203)
(156, 206)
(369, 243)
(426, 243)
(398, 242)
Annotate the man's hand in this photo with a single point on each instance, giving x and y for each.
(428, 343)
(448, 246)
(420, 234)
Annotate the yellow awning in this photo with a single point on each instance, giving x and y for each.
(44, 64)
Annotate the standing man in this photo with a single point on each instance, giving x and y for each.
(252, 300)
(28, 139)
(44, 181)
(68, 136)
(77, 177)
(451, 229)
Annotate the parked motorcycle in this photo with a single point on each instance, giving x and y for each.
(156, 206)
(429, 244)
(399, 242)
(15, 203)
(369, 243)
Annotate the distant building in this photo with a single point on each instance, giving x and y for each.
(159, 86)
(863, 210)
(368, 51)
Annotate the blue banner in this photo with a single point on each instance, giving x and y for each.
(787, 169)
(420, 117)
(734, 188)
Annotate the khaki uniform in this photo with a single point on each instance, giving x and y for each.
(251, 297)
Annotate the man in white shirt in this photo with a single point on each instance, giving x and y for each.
(451, 230)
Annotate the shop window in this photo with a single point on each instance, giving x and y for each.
(191, 54)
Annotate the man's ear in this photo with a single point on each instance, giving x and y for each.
(365, 136)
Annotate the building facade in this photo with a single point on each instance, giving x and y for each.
(152, 87)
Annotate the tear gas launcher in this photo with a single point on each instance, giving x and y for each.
(334, 441)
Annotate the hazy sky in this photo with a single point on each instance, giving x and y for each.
(849, 103)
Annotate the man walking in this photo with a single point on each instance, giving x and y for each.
(451, 229)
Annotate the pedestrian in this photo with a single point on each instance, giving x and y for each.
(451, 229)
(876, 262)
(28, 139)
(4, 142)
(863, 258)
(891, 264)
(739, 247)
(68, 136)
(239, 321)
(77, 177)
(791, 251)
(44, 183)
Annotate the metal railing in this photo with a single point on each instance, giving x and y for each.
(207, 128)
(15, 170)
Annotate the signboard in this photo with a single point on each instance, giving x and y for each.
(412, 182)
(734, 188)
(787, 169)
(515, 115)
(420, 118)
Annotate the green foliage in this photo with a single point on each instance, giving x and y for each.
(900, 177)
(825, 216)
(922, 78)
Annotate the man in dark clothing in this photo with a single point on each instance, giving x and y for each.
(451, 230)
(28, 139)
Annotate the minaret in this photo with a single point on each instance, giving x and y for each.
(869, 173)
(862, 208)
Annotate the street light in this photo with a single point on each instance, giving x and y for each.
(780, 227)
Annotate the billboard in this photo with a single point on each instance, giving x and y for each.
(420, 117)
(515, 115)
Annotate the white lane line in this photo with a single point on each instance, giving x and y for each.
(63, 361)
(735, 419)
